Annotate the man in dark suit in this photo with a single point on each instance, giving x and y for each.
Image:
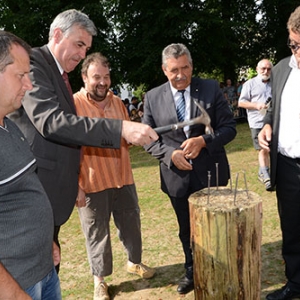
(48, 116)
(281, 136)
(188, 154)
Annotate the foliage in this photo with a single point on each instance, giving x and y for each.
(214, 31)
(31, 19)
(275, 15)
(251, 73)
(222, 35)
(139, 91)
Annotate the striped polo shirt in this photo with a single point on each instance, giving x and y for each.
(103, 168)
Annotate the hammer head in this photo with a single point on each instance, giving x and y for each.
(204, 118)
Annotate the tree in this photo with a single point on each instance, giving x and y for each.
(31, 19)
(275, 15)
(218, 33)
(222, 35)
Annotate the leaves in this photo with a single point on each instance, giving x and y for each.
(222, 35)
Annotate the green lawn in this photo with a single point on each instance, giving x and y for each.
(161, 246)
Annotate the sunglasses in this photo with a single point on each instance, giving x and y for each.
(294, 47)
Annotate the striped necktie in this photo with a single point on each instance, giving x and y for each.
(180, 109)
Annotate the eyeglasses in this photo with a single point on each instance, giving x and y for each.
(294, 47)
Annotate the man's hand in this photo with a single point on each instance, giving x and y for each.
(80, 200)
(55, 254)
(265, 136)
(180, 161)
(192, 147)
(9, 288)
(260, 105)
(138, 134)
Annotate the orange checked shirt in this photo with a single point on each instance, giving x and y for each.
(103, 168)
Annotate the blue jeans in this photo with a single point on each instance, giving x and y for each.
(46, 289)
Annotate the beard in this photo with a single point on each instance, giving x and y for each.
(99, 92)
(264, 77)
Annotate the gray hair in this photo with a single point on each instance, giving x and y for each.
(293, 23)
(8, 39)
(264, 60)
(66, 19)
(175, 51)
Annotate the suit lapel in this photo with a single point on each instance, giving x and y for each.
(52, 63)
(168, 105)
(195, 94)
(279, 89)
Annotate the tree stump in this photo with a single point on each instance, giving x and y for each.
(226, 232)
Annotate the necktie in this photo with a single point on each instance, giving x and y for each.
(180, 109)
(66, 80)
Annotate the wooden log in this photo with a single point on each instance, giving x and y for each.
(226, 232)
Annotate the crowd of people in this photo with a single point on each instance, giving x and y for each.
(135, 108)
(61, 149)
(232, 93)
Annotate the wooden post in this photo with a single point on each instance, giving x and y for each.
(226, 231)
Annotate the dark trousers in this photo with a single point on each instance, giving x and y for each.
(288, 199)
(181, 208)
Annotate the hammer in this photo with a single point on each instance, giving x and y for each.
(202, 119)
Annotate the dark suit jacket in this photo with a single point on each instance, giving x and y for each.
(279, 76)
(159, 110)
(49, 122)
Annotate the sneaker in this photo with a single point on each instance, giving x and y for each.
(101, 291)
(267, 183)
(141, 270)
(265, 180)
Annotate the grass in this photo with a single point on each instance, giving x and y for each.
(161, 246)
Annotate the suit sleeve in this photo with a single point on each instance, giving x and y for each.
(157, 149)
(51, 114)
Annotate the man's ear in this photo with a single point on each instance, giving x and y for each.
(84, 78)
(164, 69)
(57, 35)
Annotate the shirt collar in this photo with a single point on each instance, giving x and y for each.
(293, 62)
(61, 70)
(174, 91)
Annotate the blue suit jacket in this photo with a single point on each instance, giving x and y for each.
(159, 110)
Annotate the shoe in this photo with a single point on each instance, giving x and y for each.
(101, 291)
(285, 293)
(141, 270)
(265, 180)
(267, 183)
(185, 285)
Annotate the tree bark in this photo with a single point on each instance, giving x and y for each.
(226, 232)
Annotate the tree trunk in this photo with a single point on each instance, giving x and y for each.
(226, 231)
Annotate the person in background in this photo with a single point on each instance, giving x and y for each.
(126, 103)
(240, 87)
(48, 117)
(280, 136)
(255, 96)
(26, 223)
(229, 91)
(133, 109)
(106, 184)
(134, 103)
(187, 155)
